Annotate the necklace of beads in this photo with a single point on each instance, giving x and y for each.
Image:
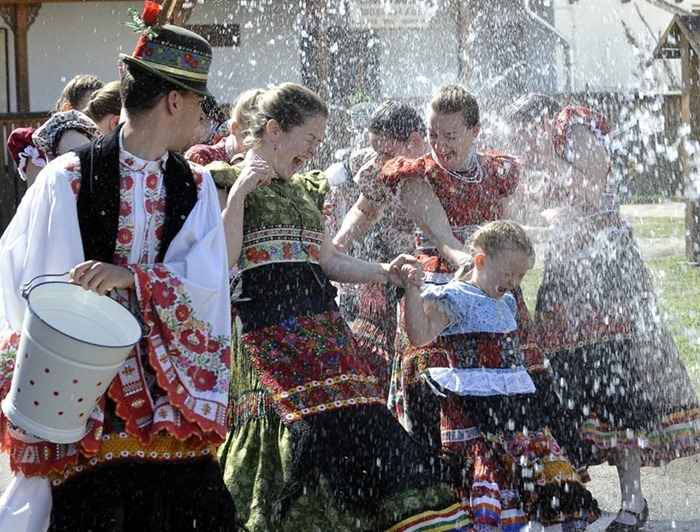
(473, 173)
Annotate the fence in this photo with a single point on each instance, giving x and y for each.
(12, 188)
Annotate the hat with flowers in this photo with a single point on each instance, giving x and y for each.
(169, 52)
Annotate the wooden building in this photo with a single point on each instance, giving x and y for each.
(681, 40)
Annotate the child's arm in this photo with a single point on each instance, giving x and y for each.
(424, 320)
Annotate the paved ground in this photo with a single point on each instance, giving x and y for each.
(673, 492)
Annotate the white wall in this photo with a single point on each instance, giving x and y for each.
(417, 61)
(603, 59)
(414, 61)
(73, 38)
(268, 53)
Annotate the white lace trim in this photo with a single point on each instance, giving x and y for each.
(30, 153)
(483, 382)
(455, 435)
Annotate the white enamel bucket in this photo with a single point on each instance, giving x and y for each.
(73, 343)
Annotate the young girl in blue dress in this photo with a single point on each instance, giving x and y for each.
(490, 409)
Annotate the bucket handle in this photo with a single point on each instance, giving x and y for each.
(26, 288)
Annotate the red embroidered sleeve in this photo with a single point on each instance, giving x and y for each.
(505, 170)
(578, 115)
(207, 154)
(401, 169)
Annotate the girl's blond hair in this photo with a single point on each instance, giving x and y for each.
(494, 238)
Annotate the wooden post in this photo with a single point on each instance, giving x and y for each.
(19, 17)
(22, 57)
(174, 12)
(464, 12)
(689, 99)
(314, 46)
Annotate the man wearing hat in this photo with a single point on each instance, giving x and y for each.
(130, 219)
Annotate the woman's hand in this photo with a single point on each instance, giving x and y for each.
(101, 277)
(255, 174)
(196, 158)
(412, 275)
(396, 267)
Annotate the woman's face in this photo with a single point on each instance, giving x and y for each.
(297, 146)
(579, 180)
(450, 139)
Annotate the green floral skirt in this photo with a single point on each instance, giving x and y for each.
(257, 460)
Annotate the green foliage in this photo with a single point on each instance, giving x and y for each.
(360, 96)
(678, 287)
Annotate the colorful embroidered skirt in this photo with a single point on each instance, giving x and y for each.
(348, 466)
(610, 406)
(619, 371)
(519, 471)
(375, 330)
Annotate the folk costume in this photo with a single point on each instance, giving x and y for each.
(469, 199)
(48, 136)
(491, 415)
(22, 149)
(148, 458)
(597, 319)
(209, 153)
(375, 324)
(311, 444)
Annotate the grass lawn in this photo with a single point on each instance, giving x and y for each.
(677, 286)
(658, 227)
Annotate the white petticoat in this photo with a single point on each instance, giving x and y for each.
(481, 382)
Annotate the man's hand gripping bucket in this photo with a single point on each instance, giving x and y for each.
(73, 343)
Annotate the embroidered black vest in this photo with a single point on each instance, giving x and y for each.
(98, 200)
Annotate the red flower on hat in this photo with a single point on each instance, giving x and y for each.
(145, 22)
(190, 60)
(150, 12)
